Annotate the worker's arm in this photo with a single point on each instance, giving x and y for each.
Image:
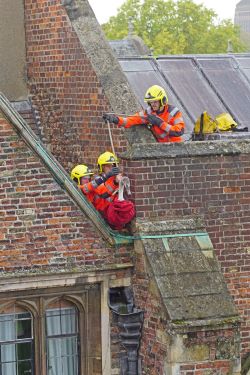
(139, 118)
(93, 185)
(108, 188)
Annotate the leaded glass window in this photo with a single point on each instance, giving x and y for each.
(62, 336)
(16, 343)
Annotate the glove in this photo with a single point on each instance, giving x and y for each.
(111, 118)
(101, 179)
(113, 172)
(155, 120)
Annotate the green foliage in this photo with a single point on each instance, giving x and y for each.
(175, 27)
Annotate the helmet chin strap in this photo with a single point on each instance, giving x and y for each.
(160, 110)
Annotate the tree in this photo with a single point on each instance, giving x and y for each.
(175, 27)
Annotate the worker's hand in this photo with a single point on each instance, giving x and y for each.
(113, 172)
(110, 118)
(154, 120)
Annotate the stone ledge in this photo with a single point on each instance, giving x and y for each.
(178, 224)
(212, 324)
(40, 280)
(187, 149)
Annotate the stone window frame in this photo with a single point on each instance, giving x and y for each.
(36, 303)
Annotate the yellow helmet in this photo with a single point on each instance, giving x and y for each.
(156, 93)
(106, 158)
(80, 171)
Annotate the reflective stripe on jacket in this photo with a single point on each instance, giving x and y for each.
(170, 130)
(100, 196)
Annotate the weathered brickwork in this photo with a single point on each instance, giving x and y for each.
(155, 340)
(216, 188)
(218, 345)
(64, 88)
(41, 227)
(209, 368)
(43, 230)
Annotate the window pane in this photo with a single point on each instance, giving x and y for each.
(60, 321)
(7, 327)
(8, 368)
(62, 350)
(54, 348)
(69, 346)
(63, 358)
(61, 347)
(24, 351)
(55, 366)
(16, 356)
(70, 365)
(24, 368)
(23, 329)
(24, 315)
(8, 353)
(68, 322)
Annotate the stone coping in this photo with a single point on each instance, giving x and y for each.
(141, 151)
(169, 225)
(55, 278)
(183, 327)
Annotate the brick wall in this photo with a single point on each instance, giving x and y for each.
(41, 227)
(219, 344)
(155, 341)
(209, 368)
(64, 88)
(216, 188)
(191, 351)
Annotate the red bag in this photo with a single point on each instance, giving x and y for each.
(119, 213)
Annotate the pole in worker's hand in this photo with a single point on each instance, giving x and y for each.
(111, 139)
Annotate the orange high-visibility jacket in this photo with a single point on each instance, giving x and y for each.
(170, 130)
(100, 195)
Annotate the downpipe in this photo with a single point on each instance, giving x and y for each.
(130, 322)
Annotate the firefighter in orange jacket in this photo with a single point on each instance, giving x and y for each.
(165, 120)
(102, 190)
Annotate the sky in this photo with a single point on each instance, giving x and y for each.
(104, 9)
